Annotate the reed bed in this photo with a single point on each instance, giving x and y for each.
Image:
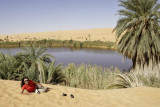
(89, 76)
(59, 43)
(97, 77)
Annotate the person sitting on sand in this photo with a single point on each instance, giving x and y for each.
(32, 86)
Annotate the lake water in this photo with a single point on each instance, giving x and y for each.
(102, 57)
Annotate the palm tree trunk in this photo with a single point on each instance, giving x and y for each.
(40, 73)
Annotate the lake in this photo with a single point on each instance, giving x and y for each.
(103, 57)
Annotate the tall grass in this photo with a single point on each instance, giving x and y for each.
(97, 77)
(88, 76)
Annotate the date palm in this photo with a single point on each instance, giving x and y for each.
(33, 60)
(54, 74)
(138, 33)
(37, 65)
(8, 67)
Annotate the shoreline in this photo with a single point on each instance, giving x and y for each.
(60, 43)
(102, 38)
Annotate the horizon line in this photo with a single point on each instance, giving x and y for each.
(58, 30)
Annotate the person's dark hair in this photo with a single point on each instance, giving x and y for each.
(22, 82)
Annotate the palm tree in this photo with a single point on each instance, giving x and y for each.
(51, 74)
(33, 61)
(37, 65)
(8, 67)
(138, 33)
(54, 75)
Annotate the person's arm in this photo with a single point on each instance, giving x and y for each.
(22, 91)
(28, 93)
(38, 83)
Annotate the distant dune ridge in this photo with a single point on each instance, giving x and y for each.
(102, 34)
(131, 97)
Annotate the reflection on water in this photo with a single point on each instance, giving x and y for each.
(105, 58)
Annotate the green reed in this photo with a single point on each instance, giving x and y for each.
(59, 43)
(88, 76)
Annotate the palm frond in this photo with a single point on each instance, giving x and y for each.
(138, 31)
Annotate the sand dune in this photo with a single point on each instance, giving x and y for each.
(134, 97)
(102, 34)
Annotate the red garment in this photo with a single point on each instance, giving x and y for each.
(30, 87)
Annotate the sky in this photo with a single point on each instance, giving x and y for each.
(22, 16)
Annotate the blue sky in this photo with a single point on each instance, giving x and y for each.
(21, 16)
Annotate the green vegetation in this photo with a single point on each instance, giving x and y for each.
(59, 43)
(97, 77)
(34, 59)
(38, 66)
(8, 67)
(89, 77)
(139, 33)
(33, 63)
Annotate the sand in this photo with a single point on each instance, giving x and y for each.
(132, 97)
(102, 34)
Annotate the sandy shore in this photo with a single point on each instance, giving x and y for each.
(134, 97)
(102, 34)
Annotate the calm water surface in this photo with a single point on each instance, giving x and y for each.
(105, 58)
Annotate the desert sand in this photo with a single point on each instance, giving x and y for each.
(102, 34)
(132, 97)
